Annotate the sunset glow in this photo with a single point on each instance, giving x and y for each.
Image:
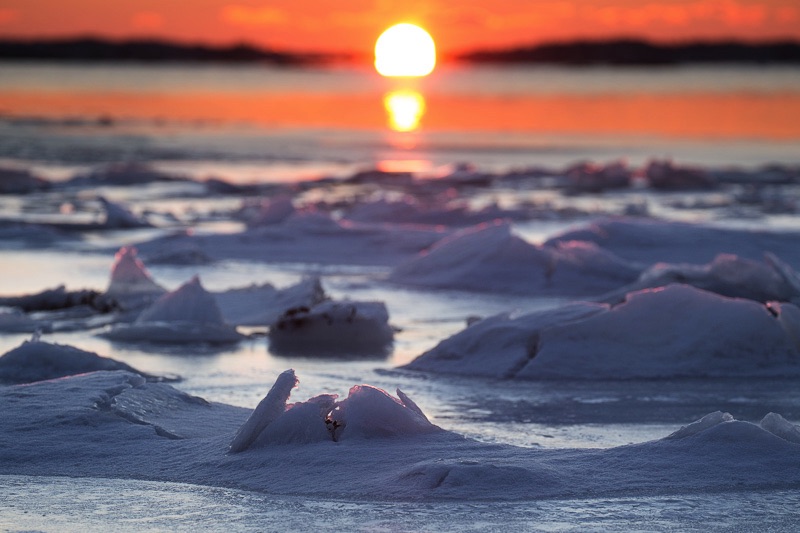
(405, 50)
(305, 25)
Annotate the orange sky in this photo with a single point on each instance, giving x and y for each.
(353, 26)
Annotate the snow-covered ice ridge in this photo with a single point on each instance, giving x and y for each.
(369, 446)
(674, 331)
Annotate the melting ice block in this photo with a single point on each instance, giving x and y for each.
(118, 216)
(261, 305)
(489, 257)
(669, 332)
(330, 327)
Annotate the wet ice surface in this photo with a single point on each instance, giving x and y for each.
(63, 504)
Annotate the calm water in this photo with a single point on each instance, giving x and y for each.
(308, 122)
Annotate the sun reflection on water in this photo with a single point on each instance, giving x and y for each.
(405, 108)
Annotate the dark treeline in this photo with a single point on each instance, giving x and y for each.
(616, 52)
(637, 52)
(100, 50)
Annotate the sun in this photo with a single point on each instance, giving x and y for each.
(405, 50)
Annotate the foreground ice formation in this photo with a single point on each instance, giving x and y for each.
(333, 328)
(115, 424)
(676, 331)
(489, 257)
(367, 412)
(37, 360)
(189, 314)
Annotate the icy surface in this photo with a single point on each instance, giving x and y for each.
(261, 305)
(116, 423)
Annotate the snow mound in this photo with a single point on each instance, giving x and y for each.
(367, 412)
(189, 314)
(130, 280)
(651, 241)
(488, 257)
(708, 421)
(333, 328)
(676, 331)
(728, 275)
(261, 305)
(780, 427)
(36, 360)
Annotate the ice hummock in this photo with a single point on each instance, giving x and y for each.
(36, 360)
(333, 328)
(262, 305)
(728, 275)
(489, 257)
(189, 314)
(675, 331)
(367, 412)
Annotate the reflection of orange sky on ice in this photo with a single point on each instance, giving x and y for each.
(694, 115)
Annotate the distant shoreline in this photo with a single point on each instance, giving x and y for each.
(574, 53)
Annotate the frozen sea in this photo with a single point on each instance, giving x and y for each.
(307, 134)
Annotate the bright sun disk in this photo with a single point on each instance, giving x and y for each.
(405, 50)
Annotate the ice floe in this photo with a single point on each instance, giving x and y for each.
(130, 283)
(189, 314)
(675, 331)
(333, 328)
(489, 257)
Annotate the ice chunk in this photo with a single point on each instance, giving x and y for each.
(668, 176)
(488, 257)
(267, 411)
(130, 279)
(118, 216)
(708, 421)
(779, 426)
(498, 346)
(369, 412)
(274, 211)
(332, 328)
(669, 332)
(20, 181)
(188, 303)
(189, 314)
(261, 305)
(301, 423)
(728, 275)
